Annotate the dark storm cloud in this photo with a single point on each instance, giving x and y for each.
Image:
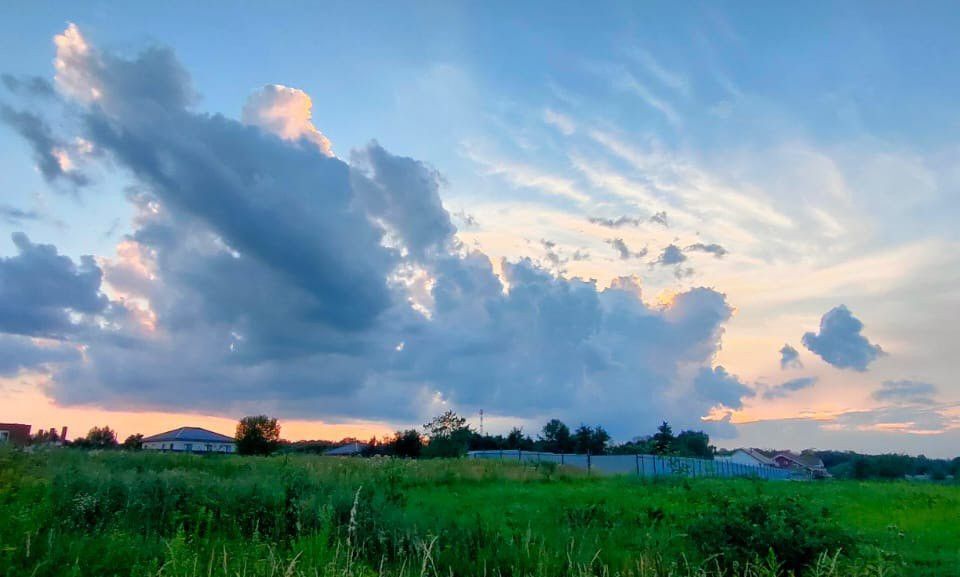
(39, 288)
(22, 353)
(276, 275)
(840, 343)
(45, 145)
(789, 358)
(784, 389)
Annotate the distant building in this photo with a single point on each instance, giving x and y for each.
(807, 462)
(349, 450)
(15, 434)
(190, 440)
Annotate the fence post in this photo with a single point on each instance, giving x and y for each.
(561, 458)
(519, 455)
(588, 462)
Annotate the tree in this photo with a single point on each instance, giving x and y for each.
(449, 435)
(98, 438)
(517, 440)
(408, 444)
(133, 442)
(556, 437)
(42, 437)
(663, 440)
(591, 440)
(258, 435)
(693, 444)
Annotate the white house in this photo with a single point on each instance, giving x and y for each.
(190, 440)
(748, 457)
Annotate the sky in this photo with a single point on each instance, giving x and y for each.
(354, 216)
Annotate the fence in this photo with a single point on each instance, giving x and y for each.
(640, 465)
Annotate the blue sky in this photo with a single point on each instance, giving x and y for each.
(804, 159)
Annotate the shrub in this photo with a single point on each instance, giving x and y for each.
(748, 529)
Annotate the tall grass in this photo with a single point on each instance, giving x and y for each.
(138, 514)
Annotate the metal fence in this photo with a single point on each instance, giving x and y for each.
(640, 465)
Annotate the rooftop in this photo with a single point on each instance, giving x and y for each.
(190, 434)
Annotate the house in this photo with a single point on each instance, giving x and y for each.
(748, 457)
(349, 450)
(807, 462)
(15, 434)
(190, 440)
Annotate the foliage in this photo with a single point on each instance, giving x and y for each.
(448, 434)
(258, 435)
(556, 438)
(98, 438)
(408, 444)
(663, 441)
(142, 514)
(133, 442)
(44, 436)
(793, 532)
(591, 440)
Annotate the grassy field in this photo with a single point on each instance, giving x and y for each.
(134, 514)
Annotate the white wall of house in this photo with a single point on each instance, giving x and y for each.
(190, 447)
(741, 458)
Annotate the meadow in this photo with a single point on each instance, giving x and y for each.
(77, 513)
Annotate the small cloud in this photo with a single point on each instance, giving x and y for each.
(51, 154)
(671, 255)
(915, 392)
(618, 222)
(784, 389)
(660, 218)
(683, 272)
(840, 343)
(624, 251)
(15, 216)
(560, 121)
(714, 249)
(790, 358)
(34, 86)
(466, 219)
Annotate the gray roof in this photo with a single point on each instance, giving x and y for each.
(348, 449)
(190, 434)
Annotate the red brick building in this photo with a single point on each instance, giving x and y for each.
(15, 433)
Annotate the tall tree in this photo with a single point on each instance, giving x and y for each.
(556, 437)
(449, 436)
(257, 435)
(663, 440)
(133, 442)
(407, 444)
(99, 438)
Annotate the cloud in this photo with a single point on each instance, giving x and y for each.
(33, 86)
(714, 249)
(19, 353)
(261, 272)
(670, 255)
(51, 154)
(560, 121)
(784, 389)
(660, 218)
(789, 358)
(286, 112)
(39, 289)
(720, 386)
(618, 222)
(14, 215)
(906, 391)
(624, 251)
(840, 343)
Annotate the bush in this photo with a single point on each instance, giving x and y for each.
(747, 529)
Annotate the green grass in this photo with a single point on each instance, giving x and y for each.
(136, 514)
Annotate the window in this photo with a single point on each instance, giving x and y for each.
(209, 448)
(188, 447)
(4, 436)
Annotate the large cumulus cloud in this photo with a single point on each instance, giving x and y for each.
(263, 272)
(840, 343)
